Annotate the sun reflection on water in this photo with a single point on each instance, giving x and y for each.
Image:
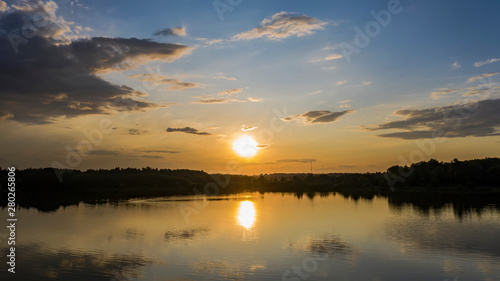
(246, 214)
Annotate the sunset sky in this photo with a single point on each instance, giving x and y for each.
(351, 86)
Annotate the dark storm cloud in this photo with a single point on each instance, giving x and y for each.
(478, 119)
(51, 76)
(188, 130)
(319, 116)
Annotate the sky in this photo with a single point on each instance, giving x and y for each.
(250, 87)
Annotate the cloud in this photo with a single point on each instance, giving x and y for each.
(224, 77)
(281, 26)
(247, 128)
(175, 31)
(205, 42)
(329, 67)
(295, 160)
(47, 79)
(252, 99)
(104, 152)
(478, 119)
(472, 79)
(262, 145)
(3, 6)
(174, 84)
(330, 47)
(188, 130)
(481, 63)
(334, 57)
(483, 90)
(366, 83)
(455, 65)
(345, 105)
(230, 92)
(159, 151)
(135, 154)
(315, 92)
(212, 101)
(209, 99)
(341, 82)
(151, 156)
(136, 132)
(438, 94)
(39, 19)
(344, 101)
(321, 116)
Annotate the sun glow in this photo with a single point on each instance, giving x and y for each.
(246, 214)
(245, 146)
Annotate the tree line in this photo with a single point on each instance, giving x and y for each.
(47, 188)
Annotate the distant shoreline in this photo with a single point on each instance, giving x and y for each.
(43, 189)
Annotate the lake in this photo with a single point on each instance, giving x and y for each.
(252, 236)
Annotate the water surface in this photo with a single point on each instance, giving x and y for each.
(257, 237)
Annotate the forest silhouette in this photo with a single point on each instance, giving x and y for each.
(47, 189)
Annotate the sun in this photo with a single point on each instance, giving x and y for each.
(245, 146)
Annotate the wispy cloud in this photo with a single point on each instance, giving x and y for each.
(319, 116)
(455, 65)
(281, 26)
(481, 63)
(209, 101)
(224, 77)
(174, 84)
(252, 99)
(485, 91)
(341, 82)
(230, 92)
(188, 130)
(330, 48)
(438, 94)
(315, 92)
(472, 79)
(175, 31)
(158, 151)
(205, 42)
(247, 128)
(136, 153)
(307, 160)
(366, 83)
(329, 67)
(334, 57)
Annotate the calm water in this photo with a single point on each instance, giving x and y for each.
(255, 237)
